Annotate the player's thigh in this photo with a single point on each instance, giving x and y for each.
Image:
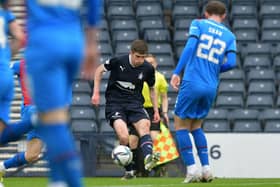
(186, 102)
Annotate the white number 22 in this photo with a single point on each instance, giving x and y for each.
(210, 41)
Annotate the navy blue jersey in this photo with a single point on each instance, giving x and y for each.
(214, 42)
(126, 82)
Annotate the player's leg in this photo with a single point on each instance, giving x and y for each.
(141, 121)
(203, 107)
(184, 112)
(51, 78)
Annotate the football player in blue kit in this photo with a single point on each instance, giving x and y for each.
(8, 25)
(57, 46)
(210, 50)
(124, 99)
(54, 53)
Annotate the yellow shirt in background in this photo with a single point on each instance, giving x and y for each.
(161, 86)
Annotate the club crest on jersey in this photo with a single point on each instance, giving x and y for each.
(140, 76)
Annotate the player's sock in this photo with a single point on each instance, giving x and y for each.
(134, 159)
(15, 161)
(201, 146)
(185, 146)
(14, 131)
(64, 161)
(146, 145)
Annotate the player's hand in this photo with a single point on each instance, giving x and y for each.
(175, 81)
(156, 117)
(95, 99)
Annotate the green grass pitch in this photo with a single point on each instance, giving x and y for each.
(146, 182)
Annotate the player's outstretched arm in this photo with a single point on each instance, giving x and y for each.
(95, 99)
(230, 63)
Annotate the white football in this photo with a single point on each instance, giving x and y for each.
(122, 155)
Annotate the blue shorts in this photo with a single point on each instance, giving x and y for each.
(53, 60)
(194, 101)
(6, 92)
(26, 112)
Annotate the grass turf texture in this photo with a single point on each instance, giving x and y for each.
(146, 182)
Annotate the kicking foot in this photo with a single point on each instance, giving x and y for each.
(151, 161)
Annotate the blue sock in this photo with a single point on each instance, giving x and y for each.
(185, 146)
(16, 161)
(146, 145)
(201, 146)
(64, 161)
(14, 131)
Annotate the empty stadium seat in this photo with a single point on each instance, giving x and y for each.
(105, 49)
(120, 12)
(256, 62)
(82, 113)
(248, 23)
(233, 75)
(182, 24)
(229, 101)
(149, 11)
(260, 75)
(124, 36)
(271, 36)
(217, 114)
(81, 86)
(243, 115)
(270, 23)
(155, 23)
(272, 126)
(122, 48)
(261, 87)
(165, 62)
(269, 11)
(246, 35)
(257, 49)
(276, 63)
(243, 11)
(78, 126)
(216, 126)
(81, 99)
(185, 11)
(160, 49)
(247, 126)
(180, 37)
(232, 88)
(125, 24)
(157, 35)
(259, 101)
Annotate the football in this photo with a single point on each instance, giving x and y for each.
(122, 155)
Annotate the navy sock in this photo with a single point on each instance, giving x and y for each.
(201, 146)
(146, 145)
(64, 161)
(14, 131)
(134, 160)
(15, 161)
(185, 146)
